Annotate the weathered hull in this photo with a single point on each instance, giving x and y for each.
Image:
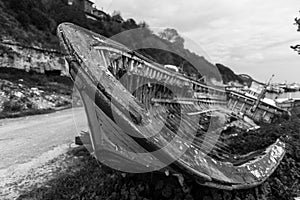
(239, 102)
(122, 125)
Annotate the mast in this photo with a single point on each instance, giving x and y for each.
(261, 95)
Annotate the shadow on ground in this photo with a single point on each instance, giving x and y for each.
(92, 180)
(96, 181)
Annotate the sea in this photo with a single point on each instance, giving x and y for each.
(284, 95)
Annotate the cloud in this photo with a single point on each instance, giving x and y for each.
(247, 34)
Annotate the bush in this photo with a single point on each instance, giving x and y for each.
(61, 12)
(23, 18)
(40, 19)
(13, 105)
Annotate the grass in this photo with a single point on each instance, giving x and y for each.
(96, 181)
(93, 180)
(35, 79)
(4, 115)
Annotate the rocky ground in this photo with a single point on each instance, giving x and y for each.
(24, 177)
(85, 178)
(23, 93)
(82, 177)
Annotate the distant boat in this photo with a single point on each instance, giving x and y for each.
(275, 89)
(123, 117)
(288, 103)
(172, 67)
(290, 87)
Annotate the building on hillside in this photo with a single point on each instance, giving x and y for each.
(77, 3)
(88, 7)
(84, 5)
(99, 13)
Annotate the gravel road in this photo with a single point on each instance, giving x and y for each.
(32, 149)
(23, 139)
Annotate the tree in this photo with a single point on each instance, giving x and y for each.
(116, 16)
(129, 24)
(297, 47)
(61, 12)
(172, 36)
(40, 19)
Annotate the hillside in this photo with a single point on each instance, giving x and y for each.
(34, 22)
(228, 75)
(16, 25)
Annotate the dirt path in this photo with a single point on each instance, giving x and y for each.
(23, 139)
(28, 144)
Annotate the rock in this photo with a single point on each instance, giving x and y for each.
(188, 197)
(159, 185)
(167, 191)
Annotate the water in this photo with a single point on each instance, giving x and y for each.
(284, 95)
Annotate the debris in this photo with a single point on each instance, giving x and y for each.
(20, 99)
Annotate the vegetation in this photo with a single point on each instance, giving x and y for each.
(23, 93)
(34, 22)
(228, 75)
(297, 47)
(94, 180)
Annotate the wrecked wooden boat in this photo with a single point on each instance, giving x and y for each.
(145, 117)
(253, 103)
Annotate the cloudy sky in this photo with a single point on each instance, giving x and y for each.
(249, 36)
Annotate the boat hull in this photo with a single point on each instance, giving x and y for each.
(121, 127)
